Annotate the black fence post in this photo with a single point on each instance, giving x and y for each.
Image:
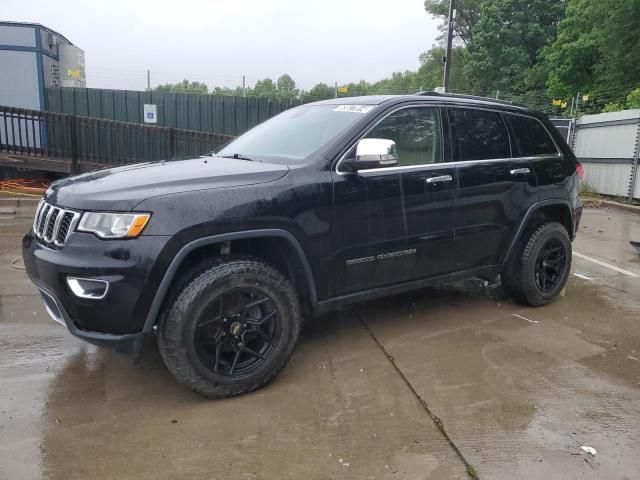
(12, 115)
(73, 137)
(172, 142)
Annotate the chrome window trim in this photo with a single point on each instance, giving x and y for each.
(429, 166)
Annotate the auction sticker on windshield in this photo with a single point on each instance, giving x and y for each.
(354, 108)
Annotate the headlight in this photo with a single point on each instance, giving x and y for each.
(113, 225)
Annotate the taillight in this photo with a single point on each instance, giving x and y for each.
(579, 170)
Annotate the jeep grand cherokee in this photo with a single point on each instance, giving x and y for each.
(326, 204)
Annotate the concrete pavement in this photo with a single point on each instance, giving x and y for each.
(435, 384)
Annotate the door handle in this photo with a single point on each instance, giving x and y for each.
(519, 171)
(442, 178)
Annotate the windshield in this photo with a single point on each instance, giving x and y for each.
(295, 134)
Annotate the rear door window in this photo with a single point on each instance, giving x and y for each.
(478, 134)
(530, 137)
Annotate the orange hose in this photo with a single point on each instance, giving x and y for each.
(24, 185)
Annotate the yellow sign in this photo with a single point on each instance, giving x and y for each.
(585, 98)
(343, 89)
(564, 105)
(556, 102)
(73, 73)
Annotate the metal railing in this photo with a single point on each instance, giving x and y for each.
(60, 136)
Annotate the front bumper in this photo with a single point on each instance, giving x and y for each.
(115, 321)
(130, 343)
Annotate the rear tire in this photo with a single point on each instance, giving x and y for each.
(539, 268)
(231, 328)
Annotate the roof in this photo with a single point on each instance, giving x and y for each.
(425, 97)
(32, 24)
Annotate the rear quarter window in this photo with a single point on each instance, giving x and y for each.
(530, 137)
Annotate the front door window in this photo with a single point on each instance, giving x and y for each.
(417, 133)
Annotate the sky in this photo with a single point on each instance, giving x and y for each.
(219, 41)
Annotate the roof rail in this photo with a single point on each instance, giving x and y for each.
(470, 97)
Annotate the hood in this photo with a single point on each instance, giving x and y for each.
(122, 188)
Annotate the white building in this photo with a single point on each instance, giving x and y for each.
(33, 57)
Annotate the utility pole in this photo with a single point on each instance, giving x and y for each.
(148, 80)
(448, 54)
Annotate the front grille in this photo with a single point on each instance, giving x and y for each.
(53, 224)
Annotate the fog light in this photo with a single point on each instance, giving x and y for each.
(89, 288)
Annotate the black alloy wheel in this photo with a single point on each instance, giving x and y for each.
(550, 265)
(538, 269)
(237, 332)
(230, 326)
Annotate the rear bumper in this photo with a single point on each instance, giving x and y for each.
(130, 343)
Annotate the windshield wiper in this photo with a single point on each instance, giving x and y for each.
(239, 156)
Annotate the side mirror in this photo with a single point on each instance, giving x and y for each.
(373, 153)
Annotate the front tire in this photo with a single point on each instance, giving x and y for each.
(231, 329)
(539, 269)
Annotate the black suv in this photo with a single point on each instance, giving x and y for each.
(326, 204)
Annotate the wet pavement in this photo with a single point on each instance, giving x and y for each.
(430, 384)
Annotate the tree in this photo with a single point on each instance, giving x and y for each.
(286, 87)
(226, 91)
(429, 75)
(633, 99)
(184, 87)
(596, 52)
(613, 107)
(356, 89)
(399, 83)
(320, 91)
(507, 41)
(265, 89)
(467, 12)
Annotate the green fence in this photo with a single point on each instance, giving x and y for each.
(61, 139)
(206, 113)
